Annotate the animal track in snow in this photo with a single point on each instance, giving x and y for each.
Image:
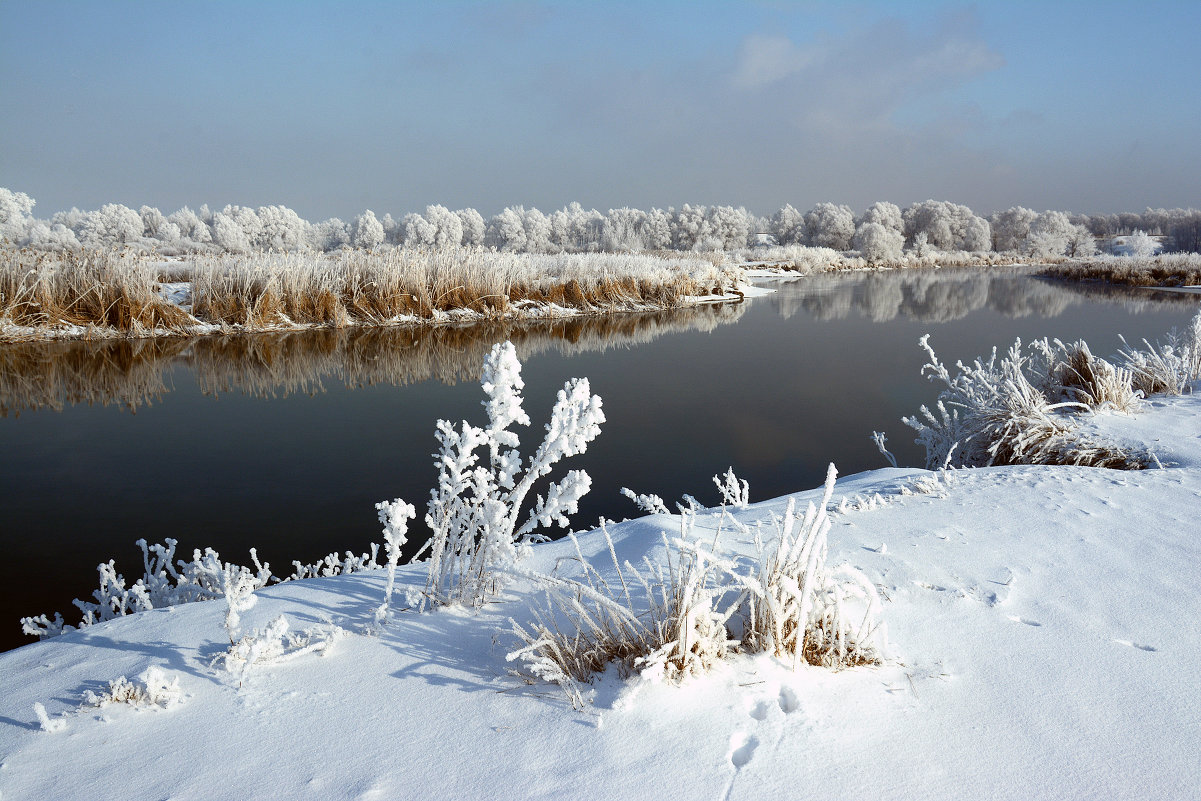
(1025, 620)
(759, 710)
(926, 586)
(1140, 646)
(742, 748)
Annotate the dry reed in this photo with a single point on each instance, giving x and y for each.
(94, 293)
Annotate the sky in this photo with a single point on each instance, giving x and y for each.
(333, 108)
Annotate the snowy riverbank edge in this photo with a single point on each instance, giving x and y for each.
(1042, 645)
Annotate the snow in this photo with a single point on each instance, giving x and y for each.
(1043, 638)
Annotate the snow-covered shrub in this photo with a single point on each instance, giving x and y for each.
(475, 513)
(166, 582)
(153, 688)
(1018, 410)
(1140, 246)
(799, 609)
(734, 492)
(395, 516)
(276, 644)
(1168, 367)
(337, 565)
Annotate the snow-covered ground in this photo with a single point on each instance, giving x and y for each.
(1043, 643)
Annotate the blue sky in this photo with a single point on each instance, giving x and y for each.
(333, 108)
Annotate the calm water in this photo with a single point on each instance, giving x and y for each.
(286, 442)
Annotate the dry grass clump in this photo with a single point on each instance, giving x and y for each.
(1024, 408)
(123, 293)
(705, 606)
(84, 290)
(1168, 269)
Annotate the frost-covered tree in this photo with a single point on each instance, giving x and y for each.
(656, 230)
(885, 214)
(448, 228)
(788, 226)
(329, 235)
(690, 228)
(249, 229)
(366, 231)
(506, 231)
(279, 228)
(830, 226)
(1050, 233)
(229, 235)
(729, 226)
(576, 229)
(50, 237)
(16, 214)
(1011, 228)
(157, 226)
(622, 230)
(191, 226)
(947, 226)
(472, 226)
(537, 231)
(878, 243)
(112, 224)
(1081, 242)
(419, 232)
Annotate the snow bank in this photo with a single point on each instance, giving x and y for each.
(1038, 619)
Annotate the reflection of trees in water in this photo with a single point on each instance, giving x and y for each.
(938, 296)
(133, 372)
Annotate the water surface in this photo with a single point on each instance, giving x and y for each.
(285, 442)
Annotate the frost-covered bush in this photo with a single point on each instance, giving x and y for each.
(1140, 246)
(166, 582)
(153, 688)
(1169, 367)
(1021, 408)
(475, 514)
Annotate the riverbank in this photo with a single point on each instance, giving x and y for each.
(1037, 646)
(91, 294)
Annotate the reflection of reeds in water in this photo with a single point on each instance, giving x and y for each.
(937, 296)
(36, 375)
(131, 372)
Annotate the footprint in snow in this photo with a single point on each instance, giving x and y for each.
(1027, 621)
(926, 586)
(759, 710)
(1140, 646)
(788, 700)
(742, 748)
